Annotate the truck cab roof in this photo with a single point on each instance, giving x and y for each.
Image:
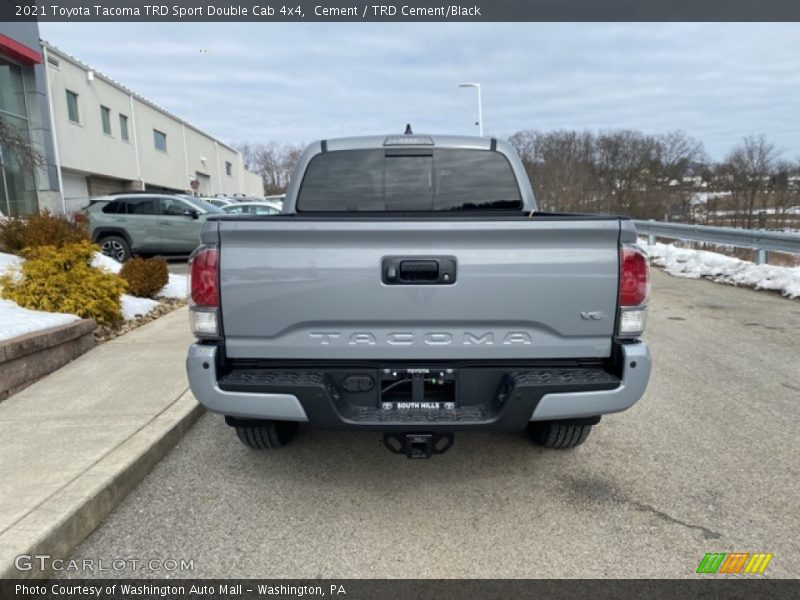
(424, 140)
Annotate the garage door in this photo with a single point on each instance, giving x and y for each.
(204, 181)
(76, 192)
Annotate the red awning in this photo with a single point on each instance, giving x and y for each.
(19, 52)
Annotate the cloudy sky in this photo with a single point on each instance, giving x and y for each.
(296, 82)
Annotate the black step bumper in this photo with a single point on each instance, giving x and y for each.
(487, 398)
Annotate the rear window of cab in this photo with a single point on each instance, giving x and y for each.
(425, 179)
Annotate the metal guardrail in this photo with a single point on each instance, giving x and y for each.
(762, 240)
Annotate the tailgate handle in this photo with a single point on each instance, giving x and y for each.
(419, 269)
(428, 270)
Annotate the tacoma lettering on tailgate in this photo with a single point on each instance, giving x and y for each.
(432, 338)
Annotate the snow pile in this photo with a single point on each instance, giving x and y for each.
(15, 320)
(694, 264)
(133, 306)
(101, 261)
(9, 263)
(175, 288)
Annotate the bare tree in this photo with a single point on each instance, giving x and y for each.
(16, 146)
(750, 165)
(291, 154)
(248, 152)
(624, 160)
(611, 172)
(677, 160)
(560, 167)
(272, 160)
(783, 193)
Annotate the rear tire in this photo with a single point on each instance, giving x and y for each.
(266, 436)
(117, 247)
(552, 434)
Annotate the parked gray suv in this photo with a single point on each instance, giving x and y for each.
(134, 223)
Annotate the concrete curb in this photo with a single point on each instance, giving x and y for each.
(64, 520)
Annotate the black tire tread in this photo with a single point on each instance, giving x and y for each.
(552, 434)
(266, 437)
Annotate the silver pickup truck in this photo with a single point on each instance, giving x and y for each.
(411, 287)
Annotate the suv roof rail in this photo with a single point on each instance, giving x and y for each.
(150, 192)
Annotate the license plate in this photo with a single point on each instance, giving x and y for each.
(418, 389)
(418, 406)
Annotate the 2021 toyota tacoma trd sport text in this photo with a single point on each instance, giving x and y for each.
(411, 287)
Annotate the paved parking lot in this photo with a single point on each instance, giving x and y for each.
(706, 462)
(177, 265)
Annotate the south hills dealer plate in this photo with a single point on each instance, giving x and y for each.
(418, 389)
(418, 406)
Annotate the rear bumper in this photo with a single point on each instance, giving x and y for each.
(309, 396)
(635, 359)
(201, 367)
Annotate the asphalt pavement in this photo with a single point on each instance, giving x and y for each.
(707, 461)
(177, 265)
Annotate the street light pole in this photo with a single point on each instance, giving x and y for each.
(480, 104)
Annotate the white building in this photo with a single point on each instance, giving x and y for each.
(108, 139)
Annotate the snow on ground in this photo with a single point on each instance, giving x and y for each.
(9, 263)
(15, 320)
(696, 264)
(175, 288)
(101, 261)
(132, 306)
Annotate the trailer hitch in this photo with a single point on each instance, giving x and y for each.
(418, 445)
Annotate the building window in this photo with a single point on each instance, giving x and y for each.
(123, 127)
(72, 107)
(160, 139)
(12, 92)
(105, 114)
(228, 168)
(17, 181)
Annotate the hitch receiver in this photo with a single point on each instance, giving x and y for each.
(418, 445)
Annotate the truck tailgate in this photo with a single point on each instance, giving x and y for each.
(313, 289)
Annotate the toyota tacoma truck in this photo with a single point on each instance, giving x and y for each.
(411, 287)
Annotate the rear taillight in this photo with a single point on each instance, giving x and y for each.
(634, 289)
(634, 277)
(204, 292)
